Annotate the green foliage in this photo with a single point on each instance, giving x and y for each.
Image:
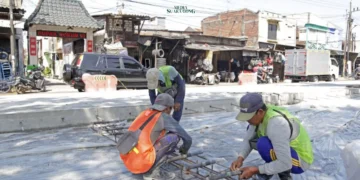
(47, 72)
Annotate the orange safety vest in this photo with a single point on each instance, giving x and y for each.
(142, 157)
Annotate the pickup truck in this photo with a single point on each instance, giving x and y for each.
(310, 65)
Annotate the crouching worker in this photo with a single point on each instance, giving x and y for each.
(151, 137)
(278, 136)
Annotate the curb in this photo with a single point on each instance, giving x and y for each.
(76, 117)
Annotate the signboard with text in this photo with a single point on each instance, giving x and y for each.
(89, 46)
(61, 34)
(32, 46)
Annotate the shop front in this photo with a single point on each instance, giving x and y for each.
(45, 29)
(227, 61)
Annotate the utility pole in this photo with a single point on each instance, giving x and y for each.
(12, 37)
(243, 23)
(348, 44)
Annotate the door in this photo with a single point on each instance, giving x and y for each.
(300, 63)
(334, 69)
(114, 67)
(135, 72)
(290, 63)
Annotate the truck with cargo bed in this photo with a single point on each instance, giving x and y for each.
(310, 65)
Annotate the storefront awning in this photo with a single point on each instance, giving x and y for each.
(352, 55)
(207, 47)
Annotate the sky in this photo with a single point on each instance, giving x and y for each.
(332, 10)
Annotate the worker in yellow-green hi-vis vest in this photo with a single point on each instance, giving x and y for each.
(168, 80)
(278, 136)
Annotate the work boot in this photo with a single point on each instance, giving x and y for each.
(263, 177)
(159, 174)
(285, 175)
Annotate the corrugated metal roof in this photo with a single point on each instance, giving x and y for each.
(165, 35)
(6, 4)
(123, 14)
(218, 47)
(62, 13)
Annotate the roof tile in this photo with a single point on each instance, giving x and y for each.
(62, 13)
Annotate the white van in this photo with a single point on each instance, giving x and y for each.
(310, 65)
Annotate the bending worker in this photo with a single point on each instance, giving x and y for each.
(167, 80)
(278, 136)
(159, 135)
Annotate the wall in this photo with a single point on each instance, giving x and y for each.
(34, 28)
(286, 31)
(330, 38)
(216, 40)
(157, 24)
(233, 24)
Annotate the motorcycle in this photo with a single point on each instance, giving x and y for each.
(34, 81)
(357, 76)
(201, 78)
(197, 77)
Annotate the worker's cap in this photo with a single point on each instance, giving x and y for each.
(163, 101)
(249, 104)
(152, 77)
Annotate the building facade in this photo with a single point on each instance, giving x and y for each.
(52, 20)
(317, 33)
(121, 29)
(5, 33)
(263, 29)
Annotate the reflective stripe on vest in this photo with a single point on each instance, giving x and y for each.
(168, 84)
(301, 144)
(142, 158)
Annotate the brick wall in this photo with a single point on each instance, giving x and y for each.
(229, 24)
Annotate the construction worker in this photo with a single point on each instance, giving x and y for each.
(278, 136)
(158, 135)
(167, 79)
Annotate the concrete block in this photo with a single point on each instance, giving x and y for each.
(351, 157)
(86, 116)
(353, 92)
(120, 113)
(46, 119)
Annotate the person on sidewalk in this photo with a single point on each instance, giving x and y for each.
(167, 79)
(159, 135)
(278, 136)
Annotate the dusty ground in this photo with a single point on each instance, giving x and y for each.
(79, 153)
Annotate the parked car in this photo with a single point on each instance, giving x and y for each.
(129, 72)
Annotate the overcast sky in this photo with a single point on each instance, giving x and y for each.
(332, 10)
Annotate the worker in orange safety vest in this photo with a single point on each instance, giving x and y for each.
(158, 137)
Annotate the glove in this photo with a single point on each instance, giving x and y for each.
(182, 150)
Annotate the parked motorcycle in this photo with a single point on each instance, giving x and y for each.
(200, 77)
(357, 76)
(34, 81)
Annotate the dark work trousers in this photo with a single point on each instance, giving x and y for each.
(177, 114)
(164, 146)
(279, 69)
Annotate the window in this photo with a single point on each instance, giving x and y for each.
(113, 62)
(334, 63)
(131, 64)
(272, 31)
(93, 61)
